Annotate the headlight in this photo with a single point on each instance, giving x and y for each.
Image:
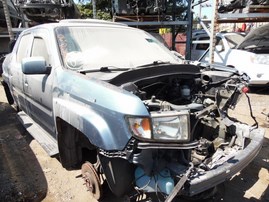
(165, 126)
(172, 126)
(140, 127)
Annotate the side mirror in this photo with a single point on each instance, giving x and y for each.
(219, 48)
(35, 65)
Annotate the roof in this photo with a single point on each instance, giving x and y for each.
(80, 22)
(92, 21)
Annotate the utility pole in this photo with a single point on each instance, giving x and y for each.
(8, 21)
(200, 15)
(94, 9)
(214, 29)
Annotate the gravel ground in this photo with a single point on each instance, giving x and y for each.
(27, 173)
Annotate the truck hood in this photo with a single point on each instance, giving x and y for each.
(118, 77)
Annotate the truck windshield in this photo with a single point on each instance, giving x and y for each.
(86, 48)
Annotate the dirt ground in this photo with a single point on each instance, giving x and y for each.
(27, 173)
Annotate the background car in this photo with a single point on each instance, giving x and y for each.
(225, 41)
(251, 56)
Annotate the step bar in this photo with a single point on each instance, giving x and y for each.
(48, 143)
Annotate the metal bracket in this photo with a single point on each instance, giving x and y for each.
(179, 185)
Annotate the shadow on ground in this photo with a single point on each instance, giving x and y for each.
(264, 90)
(21, 176)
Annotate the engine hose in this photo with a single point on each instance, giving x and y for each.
(255, 125)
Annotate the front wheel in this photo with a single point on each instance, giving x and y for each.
(92, 180)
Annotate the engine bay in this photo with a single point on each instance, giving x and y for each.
(184, 91)
(206, 97)
(203, 99)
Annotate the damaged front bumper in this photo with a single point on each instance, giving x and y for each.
(139, 168)
(239, 161)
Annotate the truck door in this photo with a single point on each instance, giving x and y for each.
(38, 87)
(16, 75)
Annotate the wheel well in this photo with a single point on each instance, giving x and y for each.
(74, 147)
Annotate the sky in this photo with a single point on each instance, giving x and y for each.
(206, 9)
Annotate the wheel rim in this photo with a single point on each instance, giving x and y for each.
(92, 180)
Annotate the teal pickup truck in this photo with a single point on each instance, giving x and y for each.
(114, 101)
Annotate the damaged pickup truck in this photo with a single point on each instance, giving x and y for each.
(114, 101)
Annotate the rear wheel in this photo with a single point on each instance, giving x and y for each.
(92, 180)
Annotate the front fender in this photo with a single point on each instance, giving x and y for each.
(107, 130)
(96, 108)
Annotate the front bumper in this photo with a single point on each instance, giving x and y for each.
(225, 171)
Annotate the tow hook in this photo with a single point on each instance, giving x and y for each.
(179, 185)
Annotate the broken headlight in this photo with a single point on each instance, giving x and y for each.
(164, 126)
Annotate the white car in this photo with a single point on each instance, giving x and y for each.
(251, 56)
(224, 41)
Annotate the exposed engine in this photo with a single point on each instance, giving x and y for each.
(184, 92)
(176, 90)
(198, 103)
(214, 138)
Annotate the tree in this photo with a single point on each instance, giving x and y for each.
(103, 9)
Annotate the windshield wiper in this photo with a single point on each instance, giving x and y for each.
(104, 69)
(112, 68)
(255, 47)
(157, 62)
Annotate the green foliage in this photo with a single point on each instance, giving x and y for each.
(103, 5)
(103, 8)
